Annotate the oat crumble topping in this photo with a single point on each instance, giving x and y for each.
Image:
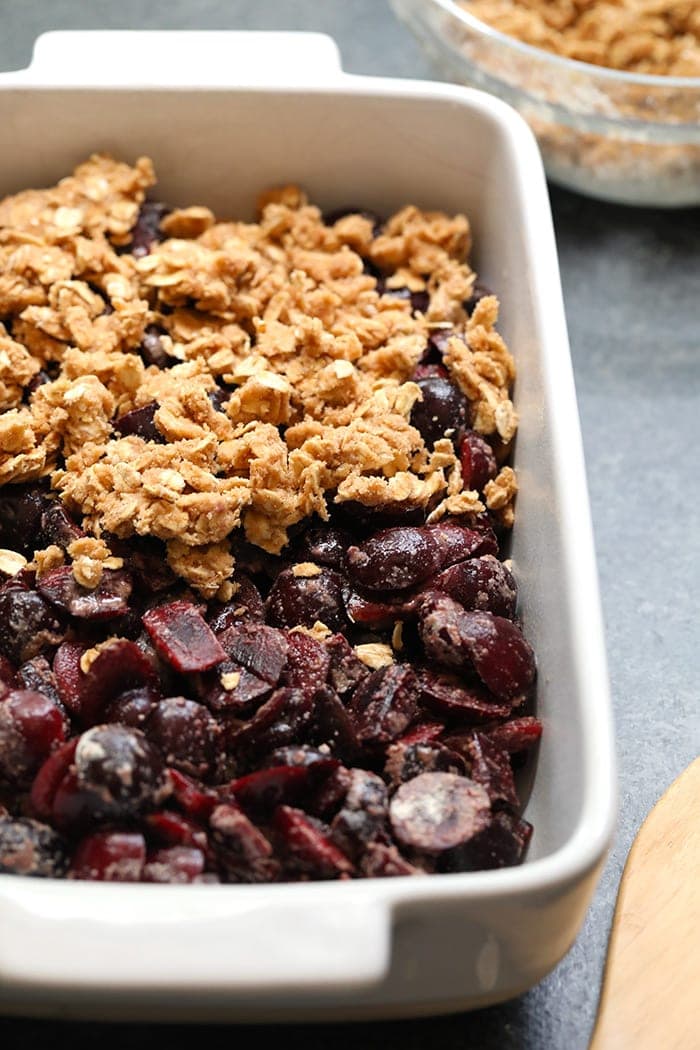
(230, 679)
(11, 562)
(660, 37)
(319, 631)
(283, 384)
(375, 654)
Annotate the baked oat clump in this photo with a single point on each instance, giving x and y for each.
(199, 381)
(659, 37)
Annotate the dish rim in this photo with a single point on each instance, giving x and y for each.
(592, 831)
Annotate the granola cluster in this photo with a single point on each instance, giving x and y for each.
(231, 379)
(660, 37)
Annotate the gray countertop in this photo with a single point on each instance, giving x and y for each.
(631, 286)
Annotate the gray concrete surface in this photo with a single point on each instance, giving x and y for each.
(632, 286)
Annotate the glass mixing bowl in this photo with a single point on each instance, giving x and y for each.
(623, 137)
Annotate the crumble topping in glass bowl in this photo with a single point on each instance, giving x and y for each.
(255, 622)
(610, 89)
(658, 37)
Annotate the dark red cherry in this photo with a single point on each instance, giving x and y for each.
(116, 774)
(435, 812)
(443, 411)
(477, 461)
(109, 856)
(28, 847)
(299, 601)
(185, 734)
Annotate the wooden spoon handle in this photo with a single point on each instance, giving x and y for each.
(651, 986)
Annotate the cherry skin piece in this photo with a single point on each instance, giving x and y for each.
(152, 349)
(332, 725)
(425, 370)
(173, 829)
(516, 735)
(261, 792)
(117, 668)
(132, 708)
(385, 704)
(479, 292)
(501, 844)
(70, 679)
(377, 615)
(182, 637)
(231, 688)
(140, 422)
(307, 847)
(36, 674)
(285, 718)
(346, 669)
(49, 777)
(308, 663)
(422, 733)
(382, 860)
(21, 507)
(394, 559)
(448, 695)
(490, 767)
(8, 675)
(244, 853)
(406, 761)
(196, 801)
(57, 527)
(106, 601)
(420, 301)
(109, 856)
(178, 864)
(260, 649)
(246, 604)
(146, 232)
(363, 816)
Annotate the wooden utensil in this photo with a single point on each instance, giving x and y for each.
(651, 985)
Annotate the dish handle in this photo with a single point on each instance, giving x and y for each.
(178, 58)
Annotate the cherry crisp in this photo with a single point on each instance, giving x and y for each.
(256, 620)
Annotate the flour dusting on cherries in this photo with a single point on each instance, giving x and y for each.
(256, 622)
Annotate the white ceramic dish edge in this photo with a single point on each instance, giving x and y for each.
(319, 949)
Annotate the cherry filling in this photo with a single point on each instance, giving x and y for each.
(354, 707)
(255, 739)
(220, 747)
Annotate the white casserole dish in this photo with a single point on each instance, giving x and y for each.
(224, 115)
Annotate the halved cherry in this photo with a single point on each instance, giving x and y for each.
(308, 847)
(183, 637)
(109, 856)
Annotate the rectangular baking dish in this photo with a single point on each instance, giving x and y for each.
(224, 115)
